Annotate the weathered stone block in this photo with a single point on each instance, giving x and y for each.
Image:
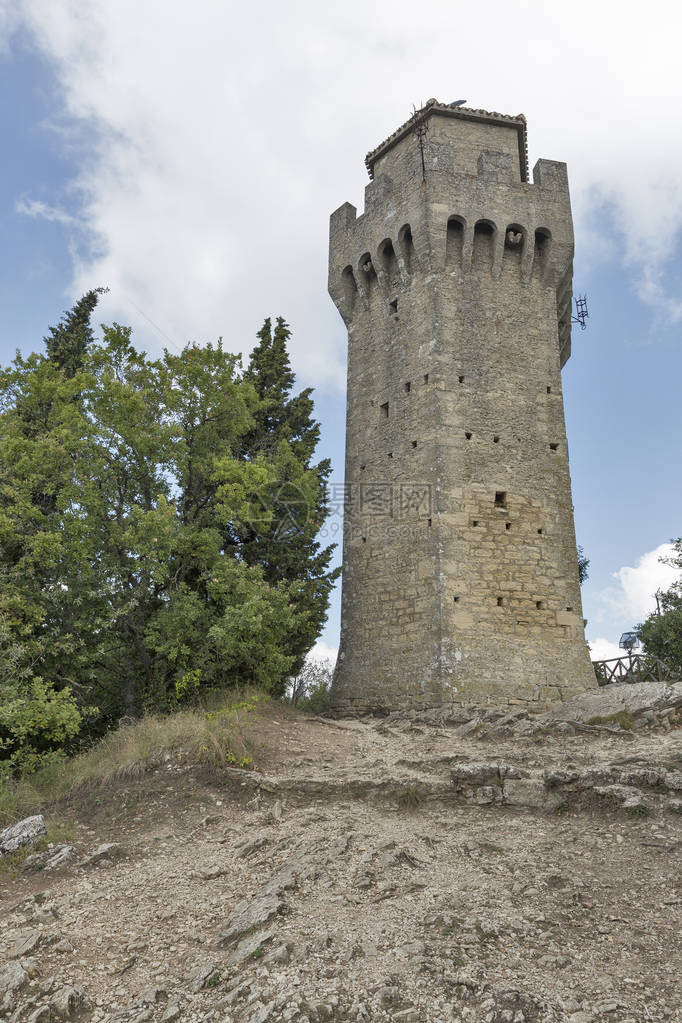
(525, 792)
(486, 794)
(475, 774)
(611, 699)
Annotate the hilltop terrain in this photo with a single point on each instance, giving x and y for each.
(403, 869)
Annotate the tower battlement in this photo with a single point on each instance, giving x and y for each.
(492, 194)
(460, 566)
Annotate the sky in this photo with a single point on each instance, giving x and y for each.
(189, 156)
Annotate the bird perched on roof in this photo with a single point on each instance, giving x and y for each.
(458, 103)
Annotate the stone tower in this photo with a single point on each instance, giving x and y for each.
(460, 572)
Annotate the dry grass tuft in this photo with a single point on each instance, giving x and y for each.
(622, 717)
(411, 797)
(217, 738)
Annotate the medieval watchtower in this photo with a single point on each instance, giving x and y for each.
(460, 574)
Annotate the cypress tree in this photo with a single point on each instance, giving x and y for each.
(286, 547)
(67, 343)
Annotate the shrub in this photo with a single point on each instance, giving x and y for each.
(36, 721)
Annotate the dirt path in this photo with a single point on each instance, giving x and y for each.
(351, 878)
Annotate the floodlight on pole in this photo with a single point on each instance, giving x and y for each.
(629, 641)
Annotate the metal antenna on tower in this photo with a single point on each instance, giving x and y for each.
(420, 130)
(581, 313)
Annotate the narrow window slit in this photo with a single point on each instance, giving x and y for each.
(549, 390)
(456, 600)
(507, 526)
(496, 439)
(484, 237)
(454, 241)
(388, 259)
(414, 443)
(468, 435)
(384, 410)
(500, 601)
(426, 378)
(461, 380)
(408, 386)
(542, 243)
(501, 499)
(393, 306)
(406, 245)
(539, 605)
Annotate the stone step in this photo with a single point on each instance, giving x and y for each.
(636, 788)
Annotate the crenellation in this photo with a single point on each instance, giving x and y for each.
(460, 240)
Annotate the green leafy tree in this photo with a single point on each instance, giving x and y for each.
(120, 484)
(583, 566)
(661, 633)
(282, 536)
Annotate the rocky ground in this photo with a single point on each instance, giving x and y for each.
(499, 868)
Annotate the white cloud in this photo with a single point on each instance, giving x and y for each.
(323, 652)
(221, 136)
(604, 650)
(652, 290)
(38, 210)
(631, 597)
(9, 21)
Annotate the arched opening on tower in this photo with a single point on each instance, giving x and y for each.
(389, 263)
(514, 244)
(454, 242)
(350, 289)
(484, 242)
(543, 241)
(406, 247)
(367, 270)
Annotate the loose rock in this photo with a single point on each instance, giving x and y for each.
(106, 851)
(23, 833)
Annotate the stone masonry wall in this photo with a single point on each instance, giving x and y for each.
(460, 576)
